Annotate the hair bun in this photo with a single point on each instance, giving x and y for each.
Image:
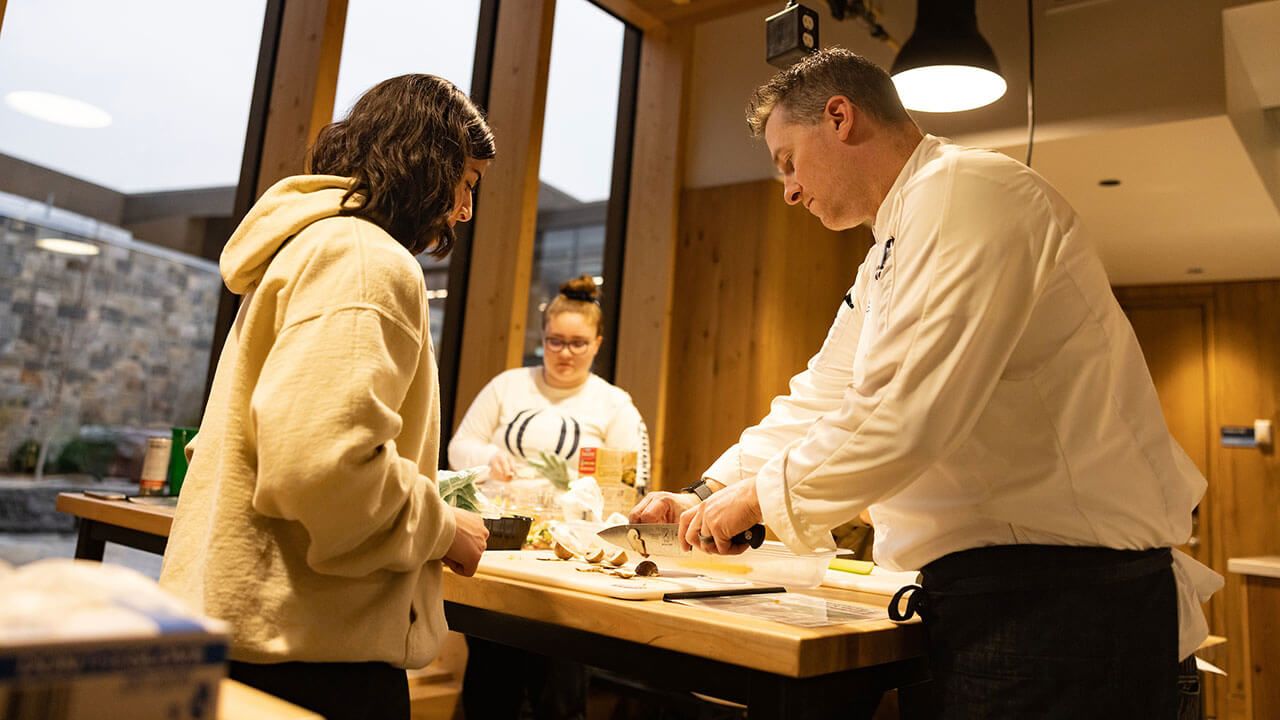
(581, 288)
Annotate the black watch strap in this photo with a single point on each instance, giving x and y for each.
(700, 488)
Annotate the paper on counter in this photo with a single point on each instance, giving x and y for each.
(879, 582)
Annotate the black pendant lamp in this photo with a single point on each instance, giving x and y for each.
(946, 65)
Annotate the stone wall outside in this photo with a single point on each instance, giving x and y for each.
(119, 340)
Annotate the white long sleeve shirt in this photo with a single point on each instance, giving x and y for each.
(980, 386)
(520, 414)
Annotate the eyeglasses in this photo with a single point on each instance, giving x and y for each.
(555, 345)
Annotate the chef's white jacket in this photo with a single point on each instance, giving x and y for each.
(980, 386)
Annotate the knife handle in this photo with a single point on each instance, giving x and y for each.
(752, 536)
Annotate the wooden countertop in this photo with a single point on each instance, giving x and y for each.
(774, 647)
(761, 644)
(154, 519)
(1262, 566)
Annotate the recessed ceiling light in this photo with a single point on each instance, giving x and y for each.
(67, 247)
(58, 109)
(1109, 182)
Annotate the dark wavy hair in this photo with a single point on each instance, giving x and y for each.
(404, 144)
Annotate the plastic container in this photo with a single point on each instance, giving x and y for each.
(771, 563)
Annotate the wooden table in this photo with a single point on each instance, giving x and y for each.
(145, 527)
(777, 670)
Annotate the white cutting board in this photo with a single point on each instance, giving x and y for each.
(526, 565)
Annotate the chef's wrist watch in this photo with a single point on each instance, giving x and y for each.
(753, 536)
(700, 488)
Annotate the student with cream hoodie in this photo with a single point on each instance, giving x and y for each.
(310, 520)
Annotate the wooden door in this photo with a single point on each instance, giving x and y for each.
(1175, 335)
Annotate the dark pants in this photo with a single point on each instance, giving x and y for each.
(338, 691)
(1035, 631)
(500, 678)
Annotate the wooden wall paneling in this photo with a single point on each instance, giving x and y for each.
(502, 241)
(813, 269)
(712, 328)
(1238, 514)
(303, 86)
(758, 286)
(1260, 607)
(1174, 326)
(1174, 341)
(643, 360)
(1247, 322)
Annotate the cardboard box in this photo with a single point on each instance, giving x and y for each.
(93, 641)
(615, 473)
(169, 677)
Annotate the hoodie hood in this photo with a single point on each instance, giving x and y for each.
(285, 210)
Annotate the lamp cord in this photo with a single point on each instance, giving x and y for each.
(1031, 80)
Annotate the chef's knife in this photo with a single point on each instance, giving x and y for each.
(664, 538)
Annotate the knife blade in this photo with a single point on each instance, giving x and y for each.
(664, 538)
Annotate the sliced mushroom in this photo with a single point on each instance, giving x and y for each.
(647, 568)
(617, 558)
(595, 555)
(562, 552)
(637, 542)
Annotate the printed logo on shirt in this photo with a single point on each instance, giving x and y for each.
(537, 430)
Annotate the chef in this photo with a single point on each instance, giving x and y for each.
(982, 393)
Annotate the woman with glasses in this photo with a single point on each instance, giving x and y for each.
(557, 407)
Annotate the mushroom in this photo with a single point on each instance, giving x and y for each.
(617, 558)
(637, 542)
(595, 555)
(647, 568)
(562, 552)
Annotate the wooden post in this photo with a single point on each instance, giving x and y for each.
(303, 86)
(657, 166)
(297, 79)
(502, 254)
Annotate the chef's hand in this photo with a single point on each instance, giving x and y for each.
(711, 523)
(661, 507)
(468, 542)
(501, 467)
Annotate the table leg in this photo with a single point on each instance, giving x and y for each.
(819, 701)
(89, 547)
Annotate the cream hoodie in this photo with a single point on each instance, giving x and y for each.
(310, 518)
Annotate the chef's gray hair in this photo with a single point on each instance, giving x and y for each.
(804, 89)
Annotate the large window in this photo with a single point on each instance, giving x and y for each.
(122, 129)
(577, 167)
(384, 39)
